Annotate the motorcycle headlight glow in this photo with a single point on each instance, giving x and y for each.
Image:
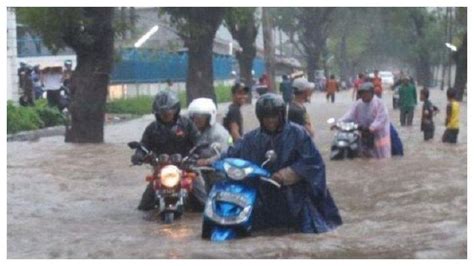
(236, 173)
(170, 176)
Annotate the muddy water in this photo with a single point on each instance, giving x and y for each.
(78, 201)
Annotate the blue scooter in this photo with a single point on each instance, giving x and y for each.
(230, 203)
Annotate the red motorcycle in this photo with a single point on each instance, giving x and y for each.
(173, 179)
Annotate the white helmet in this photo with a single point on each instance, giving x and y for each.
(203, 106)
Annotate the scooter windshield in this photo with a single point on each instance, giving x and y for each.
(239, 169)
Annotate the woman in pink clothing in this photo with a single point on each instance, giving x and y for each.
(372, 116)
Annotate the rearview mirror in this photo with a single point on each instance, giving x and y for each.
(134, 145)
(216, 146)
(271, 155)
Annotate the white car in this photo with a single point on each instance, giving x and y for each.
(387, 77)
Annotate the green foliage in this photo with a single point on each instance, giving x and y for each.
(196, 22)
(64, 26)
(48, 115)
(139, 106)
(237, 17)
(223, 93)
(142, 105)
(53, 23)
(21, 118)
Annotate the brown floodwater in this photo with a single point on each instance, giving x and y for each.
(79, 200)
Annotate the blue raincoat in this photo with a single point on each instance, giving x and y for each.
(306, 206)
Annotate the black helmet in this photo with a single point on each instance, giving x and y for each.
(165, 101)
(270, 104)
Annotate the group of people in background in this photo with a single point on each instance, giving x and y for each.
(408, 100)
(371, 113)
(35, 81)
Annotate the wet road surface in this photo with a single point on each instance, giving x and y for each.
(79, 201)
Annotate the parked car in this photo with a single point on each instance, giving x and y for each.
(387, 77)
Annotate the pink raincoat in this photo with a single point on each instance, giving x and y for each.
(373, 115)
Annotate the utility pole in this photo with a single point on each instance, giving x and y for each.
(281, 42)
(445, 52)
(268, 47)
(450, 39)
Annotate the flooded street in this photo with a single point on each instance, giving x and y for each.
(79, 201)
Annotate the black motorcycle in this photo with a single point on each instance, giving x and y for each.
(346, 143)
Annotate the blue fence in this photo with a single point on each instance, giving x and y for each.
(148, 66)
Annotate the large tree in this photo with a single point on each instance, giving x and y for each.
(268, 47)
(197, 27)
(460, 56)
(243, 26)
(89, 32)
(311, 27)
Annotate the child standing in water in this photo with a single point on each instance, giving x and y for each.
(452, 118)
(427, 113)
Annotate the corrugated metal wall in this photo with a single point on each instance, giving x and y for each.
(148, 66)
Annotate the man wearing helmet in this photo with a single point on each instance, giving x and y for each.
(297, 111)
(170, 133)
(203, 112)
(303, 202)
(372, 116)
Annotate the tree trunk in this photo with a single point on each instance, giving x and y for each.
(242, 26)
(314, 22)
(245, 33)
(269, 51)
(90, 79)
(197, 27)
(133, 18)
(200, 76)
(450, 38)
(312, 65)
(461, 69)
(245, 59)
(423, 71)
(343, 62)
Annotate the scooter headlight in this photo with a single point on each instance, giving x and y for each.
(342, 143)
(170, 176)
(236, 173)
